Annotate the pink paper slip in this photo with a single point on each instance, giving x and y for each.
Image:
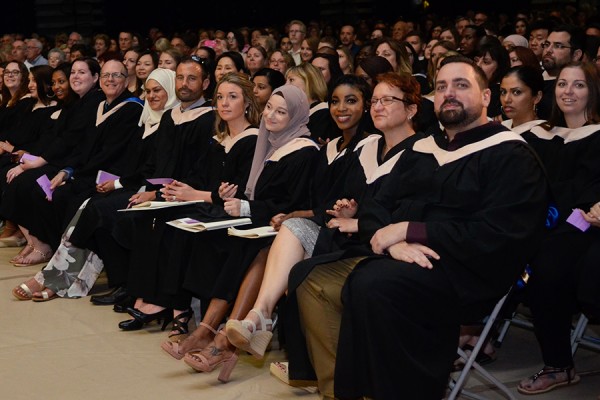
(576, 219)
(45, 184)
(160, 181)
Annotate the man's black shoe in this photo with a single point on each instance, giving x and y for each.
(122, 306)
(115, 296)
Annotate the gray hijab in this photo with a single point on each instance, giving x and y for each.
(268, 142)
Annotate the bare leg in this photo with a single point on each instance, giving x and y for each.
(285, 252)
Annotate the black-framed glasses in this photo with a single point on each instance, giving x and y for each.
(114, 75)
(387, 100)
(15, 72)
(555, 46)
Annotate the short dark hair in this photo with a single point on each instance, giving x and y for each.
(479, 74)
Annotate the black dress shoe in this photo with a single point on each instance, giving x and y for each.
(165, 315)
(131, 325)
(124, 305)
(115, 296)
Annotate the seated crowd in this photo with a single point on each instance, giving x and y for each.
(408, 173)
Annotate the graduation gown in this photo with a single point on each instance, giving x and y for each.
(160, 253)
(282, 187)
(71, 124)
(561, 265)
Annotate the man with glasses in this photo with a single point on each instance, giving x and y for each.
(34, 53)
(103, 147)
(183, 138)
(297, 33)
(448, 233)
(564, 44)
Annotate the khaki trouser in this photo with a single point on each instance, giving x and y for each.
(320, 308)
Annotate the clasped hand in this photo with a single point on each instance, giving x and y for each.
(178, 191)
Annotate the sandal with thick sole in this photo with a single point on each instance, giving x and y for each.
(245, 336)
(43, 260)
(212, 357)
(44, 296)
(173, 347)
(549, 374)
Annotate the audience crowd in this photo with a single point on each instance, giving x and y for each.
(404, 172)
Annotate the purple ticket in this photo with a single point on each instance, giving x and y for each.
(160, 181)
(28, 157)
(45, 184)
(104, 176)
(577, 220)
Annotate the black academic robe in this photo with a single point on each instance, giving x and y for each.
(320, 123)
(560, 268)
(160, 253)
(103, 147)
(12, 117)
(69, 128)
(26, 136)
(282, 187)
(481, 207)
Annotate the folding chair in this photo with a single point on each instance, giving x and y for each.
(578, 336)
(457, 385)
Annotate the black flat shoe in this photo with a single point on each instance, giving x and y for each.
(131, 325)
(115, 296)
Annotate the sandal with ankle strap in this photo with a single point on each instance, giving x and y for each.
(181, 326)
(23, 253)
(245, 336)
(173, 347)
(32, 261)
(528, 386)
(210, 358)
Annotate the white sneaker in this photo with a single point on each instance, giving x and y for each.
(279, 369)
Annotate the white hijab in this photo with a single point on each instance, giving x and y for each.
(149, 117)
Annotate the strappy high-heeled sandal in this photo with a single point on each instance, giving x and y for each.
(210, 358)
(180, 329)
(173, 347)
(245, 336)
(529, 386)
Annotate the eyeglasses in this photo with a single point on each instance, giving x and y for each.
(114, 75)
(16, 72)
(296, 31)
(596, 59)
(387, 100)
(555, 46)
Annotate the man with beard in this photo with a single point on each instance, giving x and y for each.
(448, 234)
(564, 44)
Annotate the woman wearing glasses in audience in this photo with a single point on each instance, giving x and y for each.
(568, 147)
(321, 239)
(281, 60)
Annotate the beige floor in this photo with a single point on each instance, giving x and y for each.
(70, 349)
